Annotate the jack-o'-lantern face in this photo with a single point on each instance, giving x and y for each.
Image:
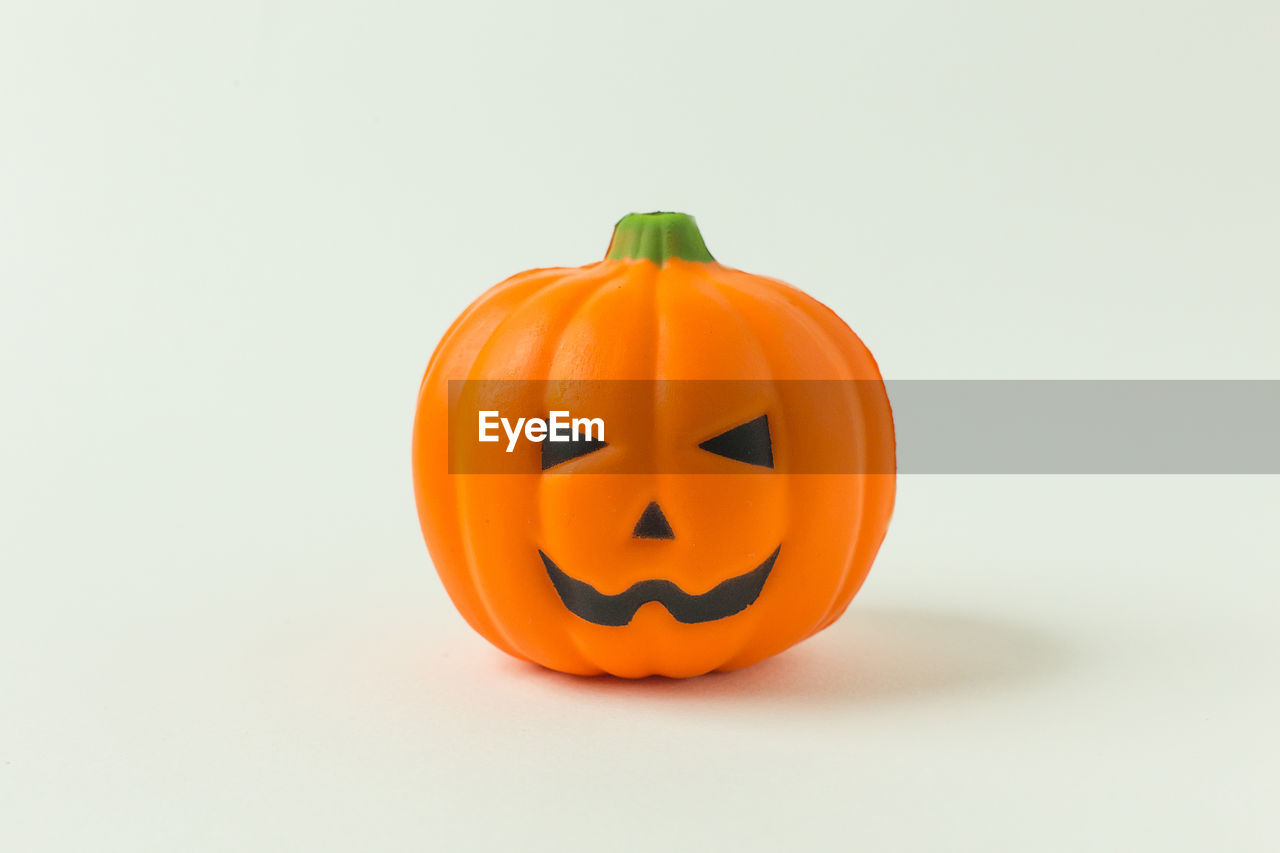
(749, 444)
(734, 504)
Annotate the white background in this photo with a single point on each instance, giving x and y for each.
(231, 234)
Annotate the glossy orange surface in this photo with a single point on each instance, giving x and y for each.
(633, 319)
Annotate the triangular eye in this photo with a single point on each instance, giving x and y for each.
(749, 443)
(555, 452)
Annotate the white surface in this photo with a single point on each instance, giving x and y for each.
(230, 237)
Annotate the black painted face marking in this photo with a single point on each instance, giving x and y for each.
(724, 599)
(749, 443)
(653, 524)
(555, 452)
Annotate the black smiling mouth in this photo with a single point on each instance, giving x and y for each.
(724, 599)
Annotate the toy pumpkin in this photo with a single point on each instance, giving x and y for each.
(711, 526)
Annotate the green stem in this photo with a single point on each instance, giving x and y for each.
(657, 237)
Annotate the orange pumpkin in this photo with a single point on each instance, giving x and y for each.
(718, 523)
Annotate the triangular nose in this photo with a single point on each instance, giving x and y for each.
(653, 524)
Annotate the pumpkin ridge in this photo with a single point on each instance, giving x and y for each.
(862, 552)
(480, 610)
(799, 311)
(578, 275)
(711, 287)
(528, 278)
(551, 347)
